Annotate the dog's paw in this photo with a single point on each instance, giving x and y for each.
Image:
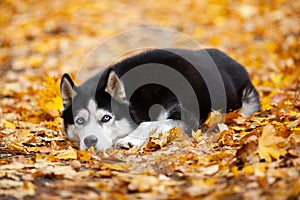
(129, 141)
(123, 145)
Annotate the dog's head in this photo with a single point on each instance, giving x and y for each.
(87, 110)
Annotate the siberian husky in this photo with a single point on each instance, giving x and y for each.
(109, 110)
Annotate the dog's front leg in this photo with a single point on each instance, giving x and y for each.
(140, 135)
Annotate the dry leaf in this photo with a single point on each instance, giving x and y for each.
(49, 98)
(271, 146)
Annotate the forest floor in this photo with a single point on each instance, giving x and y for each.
(255, 158)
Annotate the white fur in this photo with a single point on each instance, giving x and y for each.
(106, 133)
(124, 126)
(250, 102)
(163, 115)
(115, 132)
(82, 114)
(140, 135)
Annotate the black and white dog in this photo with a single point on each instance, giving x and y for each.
(123, 104)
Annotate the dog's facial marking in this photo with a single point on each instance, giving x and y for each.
(104, 117)
(81, 118)
(92, 107)
(98, 127)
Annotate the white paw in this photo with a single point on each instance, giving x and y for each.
(140, 135)
(130, 141)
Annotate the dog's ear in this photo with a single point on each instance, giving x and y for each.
(115, 87)
(67, 91)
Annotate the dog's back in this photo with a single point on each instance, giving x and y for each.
(210, 62)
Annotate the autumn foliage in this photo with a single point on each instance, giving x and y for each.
(254, 158)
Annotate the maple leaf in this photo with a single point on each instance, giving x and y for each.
(269, 145)
(49, 99)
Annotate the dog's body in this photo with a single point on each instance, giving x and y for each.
(100, 112)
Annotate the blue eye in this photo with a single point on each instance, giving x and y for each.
(80, 121)
(105, 118)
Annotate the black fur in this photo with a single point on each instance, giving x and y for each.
(235, 79)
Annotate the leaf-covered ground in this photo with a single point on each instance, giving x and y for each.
(256, 158)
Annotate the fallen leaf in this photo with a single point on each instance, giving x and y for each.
(271, 146)
(70, 153)
(143, 183)
(49, 99)
(157, 142)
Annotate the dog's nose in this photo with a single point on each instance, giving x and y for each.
(90, 141)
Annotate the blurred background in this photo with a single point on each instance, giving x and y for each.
(48, 38)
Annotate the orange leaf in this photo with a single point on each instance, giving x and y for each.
(269, 145)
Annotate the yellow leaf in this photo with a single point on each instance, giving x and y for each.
(84, 155)
(197, 135)
(115, 166)
(143, 183)
(248, 170)
(269, 144)
(49, 98)
(235, 171)
(256, 168)
(18, 148)
(70, 153)
(157, 142)
(36, 61)
(214, 118)
(8, 124)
